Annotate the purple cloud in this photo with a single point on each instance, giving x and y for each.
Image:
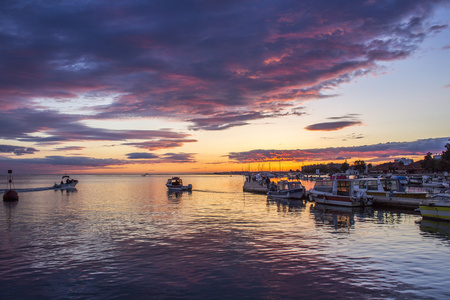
(164, 158)
(385, 150)
(71, 162)
(178, 158)
(17, 150)
(70, 148)
(195, 61)
(55, 164)
(136, 155)
(347, 121)
(161, 144)
(331, 126)
(24, 125)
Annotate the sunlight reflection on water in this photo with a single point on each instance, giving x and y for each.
(126, 236)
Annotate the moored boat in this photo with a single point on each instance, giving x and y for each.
(288, 190)
(66, 183)
(176, 184)
(387, 188)
(438, 207)
(430, 182)
(339, 192)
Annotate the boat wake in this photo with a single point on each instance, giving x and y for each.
(32, 189)
(213, 192)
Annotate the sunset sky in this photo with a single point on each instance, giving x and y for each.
(204, 86)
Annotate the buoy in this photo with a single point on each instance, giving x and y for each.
(10, 194)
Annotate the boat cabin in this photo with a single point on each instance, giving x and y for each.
(340, 187)
(285, 185)
(174, 181)
(380, 185)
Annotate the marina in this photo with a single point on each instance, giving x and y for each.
(386, 192)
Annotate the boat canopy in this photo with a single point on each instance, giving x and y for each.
(288, 185)
(175, 181)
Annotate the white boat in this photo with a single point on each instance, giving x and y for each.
(66, 183)
(429, 182)
(387, 188)
(438, 207)
(339, 192)
(176, 184)
(288, 190)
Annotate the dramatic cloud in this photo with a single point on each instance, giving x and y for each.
(70, 148)
(225, 120)
(141, 156)
(29, 125)
(331, 126)
(57, 164)
(161, 144)
(165, 158)
(178, 158)
(383, 150)
(54, 164)
(214, 64)
(347, 121)
(75, 161)
(17, 150)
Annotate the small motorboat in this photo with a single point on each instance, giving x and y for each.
(429, 182)
(438, 207)
(386, 189)
(66, 183)
(10, 194)
(176, 184)
(339, 192)
(287, 190)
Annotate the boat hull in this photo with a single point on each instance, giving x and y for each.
(65, 186)
(437, 211)
(179, 188)
(387, 195)
(292, 194)
(336, 200)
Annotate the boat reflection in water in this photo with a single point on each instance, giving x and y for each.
(338, 217)
(436, 227)
(285, 204)
(176, 195)
(66, 191)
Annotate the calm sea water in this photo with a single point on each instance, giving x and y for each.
(126, 237)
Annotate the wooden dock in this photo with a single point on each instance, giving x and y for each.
(255, 187)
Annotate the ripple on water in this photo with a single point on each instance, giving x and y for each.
(126, 237)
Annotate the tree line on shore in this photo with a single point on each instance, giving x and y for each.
(431, 164)
(428, 164)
